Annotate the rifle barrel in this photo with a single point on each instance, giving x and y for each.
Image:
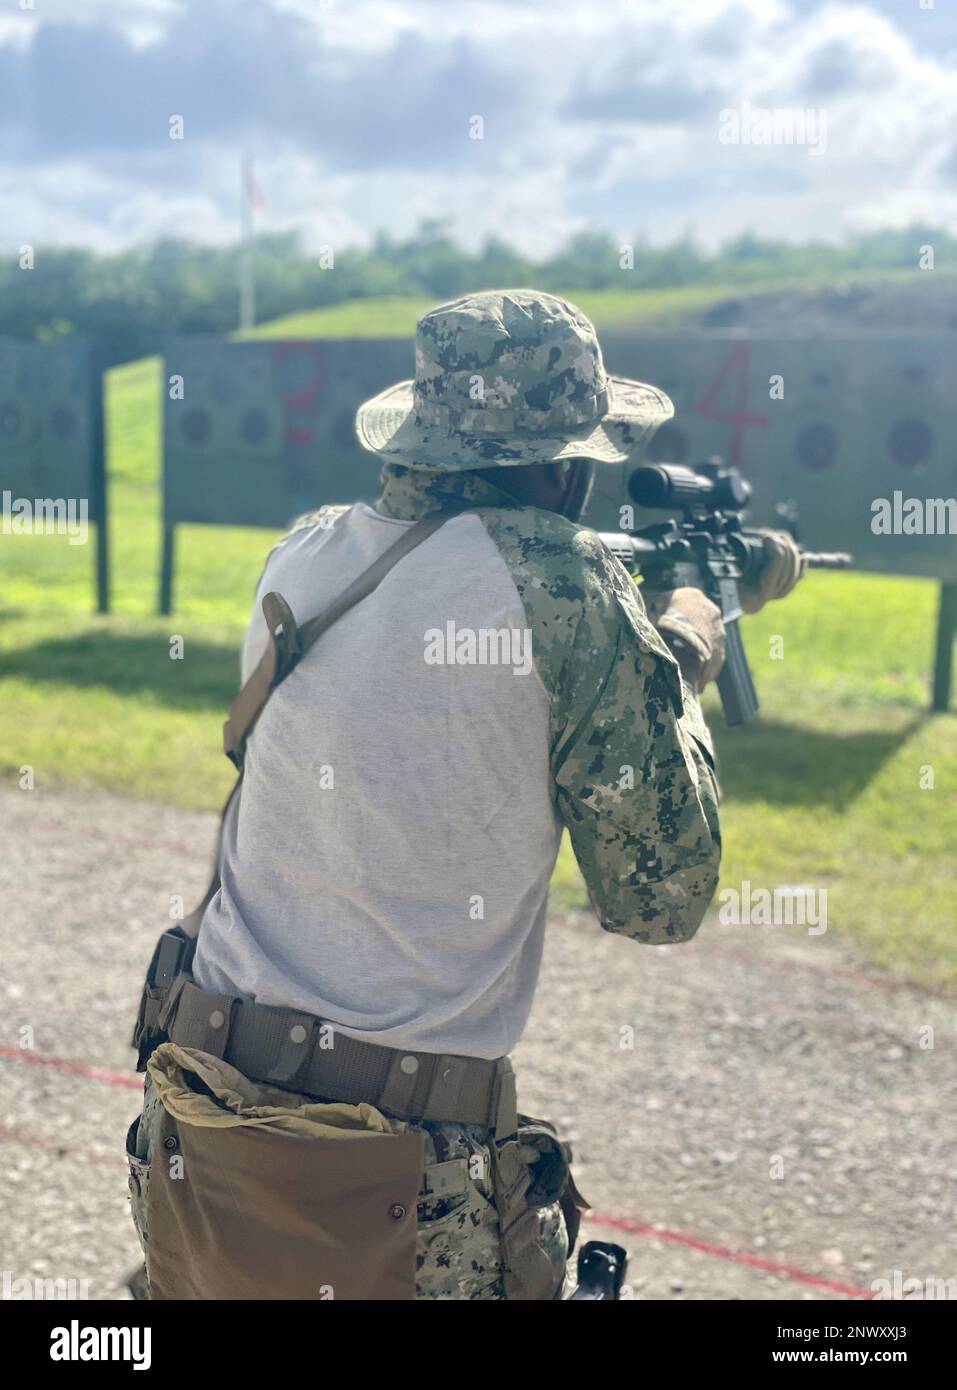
(826, 560)
(635, 548)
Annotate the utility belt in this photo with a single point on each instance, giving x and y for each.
(299, 1052)
(256, 1218)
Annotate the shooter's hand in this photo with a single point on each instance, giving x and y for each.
(778, 572)
(691, 625)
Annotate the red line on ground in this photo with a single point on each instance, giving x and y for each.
(723, 1252)
(18, 1054)
(618, 1223)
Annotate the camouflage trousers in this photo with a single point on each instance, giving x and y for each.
(458, 1254)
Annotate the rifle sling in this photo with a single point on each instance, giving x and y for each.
(288, 643)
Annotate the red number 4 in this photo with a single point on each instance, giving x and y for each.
(736, 363)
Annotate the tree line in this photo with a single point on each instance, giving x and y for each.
(130, 299)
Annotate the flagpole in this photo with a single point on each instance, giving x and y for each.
(247, 281)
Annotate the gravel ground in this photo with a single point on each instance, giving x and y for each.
(776, 1103)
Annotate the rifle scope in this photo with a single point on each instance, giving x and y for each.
(675, 485)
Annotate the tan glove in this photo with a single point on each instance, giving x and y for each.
(781, 568)
(691, 625)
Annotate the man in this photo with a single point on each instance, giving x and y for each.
(386, 867)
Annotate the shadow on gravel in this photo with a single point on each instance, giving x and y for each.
(800, 767)
(133, 665)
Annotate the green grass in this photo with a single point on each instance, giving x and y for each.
(823, 790)
(395, 316)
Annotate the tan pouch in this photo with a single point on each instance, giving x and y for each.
(527, 1269)
(294, 1200)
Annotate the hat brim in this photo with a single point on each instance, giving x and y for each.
(387, 425)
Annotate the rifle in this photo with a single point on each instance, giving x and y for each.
(710, 549)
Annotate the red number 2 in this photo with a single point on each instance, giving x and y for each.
(302, 400)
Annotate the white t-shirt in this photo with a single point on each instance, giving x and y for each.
(388, 865)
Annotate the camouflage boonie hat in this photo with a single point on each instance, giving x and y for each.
(509, 377)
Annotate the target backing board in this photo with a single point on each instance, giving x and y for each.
(51, 430)
(833, 425)
(265, 431)
(48, 425)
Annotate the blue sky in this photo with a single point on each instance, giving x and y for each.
(358, 114)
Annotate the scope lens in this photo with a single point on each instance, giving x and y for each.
(650, 487)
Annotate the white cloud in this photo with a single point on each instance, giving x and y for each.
(358, 115)
(141, 21)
